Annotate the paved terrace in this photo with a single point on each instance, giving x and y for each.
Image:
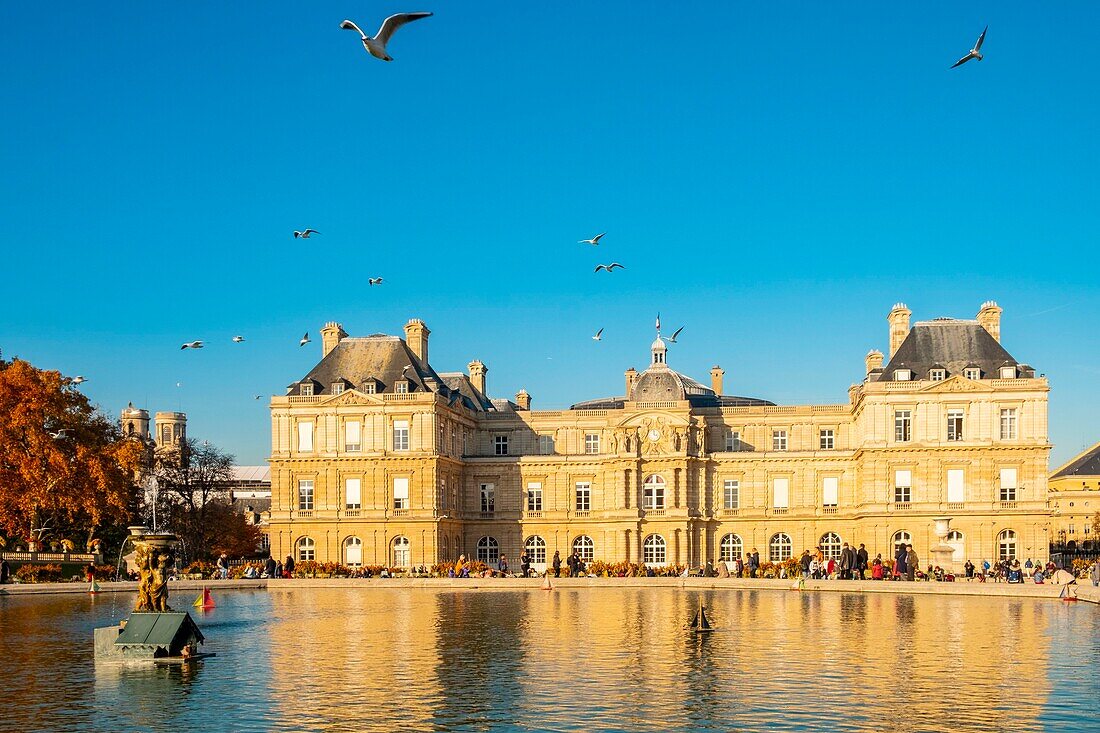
(1084, 592)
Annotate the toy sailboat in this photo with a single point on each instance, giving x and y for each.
(546, 584)
(700, 623)
(94, 587)
(1066, 596)
(205, 600)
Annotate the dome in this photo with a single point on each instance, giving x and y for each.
(658, 345)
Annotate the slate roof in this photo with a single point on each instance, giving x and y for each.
(661, 384)
(1086, 464)
(461, 388)
(168, 631)
(950, 344)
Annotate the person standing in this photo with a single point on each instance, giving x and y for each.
(900, 567)
(270, 567)
(525, 563)
(1094, 573)
(911, 563)
(556, 564)
(223, 566)
(288, 567)
(804, 563)
(846, 562)
(861, 561)
(502, 564)
(754, 563)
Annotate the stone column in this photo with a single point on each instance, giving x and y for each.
(626, 541)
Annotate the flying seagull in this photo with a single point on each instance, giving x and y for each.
(672, 339)
(59, 434)
(256, 397)
(238, 339)
(609, 268)
(594, 241)
(975, 53)
(192, 345)
(305, 339)
(305, 234)
(79, 380)
(376, 46)
(598, 336)
(372, 281)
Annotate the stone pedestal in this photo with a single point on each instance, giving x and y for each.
(943, 554)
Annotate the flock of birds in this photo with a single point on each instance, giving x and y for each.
(376, 46)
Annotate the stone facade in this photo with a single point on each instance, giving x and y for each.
(379, 459)
(1075, 501)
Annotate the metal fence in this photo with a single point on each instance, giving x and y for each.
(44, 558)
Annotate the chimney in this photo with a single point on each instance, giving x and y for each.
(716, 374)
(989, 316)
(523, 400)
(416, 336)
(477, 376)
(631, 378)
(873, 360)
(331, 335)
(899, 326)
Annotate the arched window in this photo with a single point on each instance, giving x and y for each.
(353, 552)
(307, 549)
(536, 549)
(488, 551)
(900, 538)
(955, 539)
(1006, 544)
(444, 549)
(401, 552)
(779, 548)
(730, 548)
(653, 550)
(830, 545)
(584, 548)
(653, 493)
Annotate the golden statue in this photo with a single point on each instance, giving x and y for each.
(153, 556)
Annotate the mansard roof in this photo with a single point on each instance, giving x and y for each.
(950, 344)
(461, 388)
(1086, 464)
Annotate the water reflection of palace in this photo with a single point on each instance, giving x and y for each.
(377, 458)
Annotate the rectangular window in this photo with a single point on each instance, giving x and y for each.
(827, 440)
(591, 443)
(731, 494)
(305, 437)
(937, 375)
(972, 373)
(353, 495)
(546, 445)
(1008, 484)
(1072, 530)
(653, 495)
(369, 387)
(400, 434)
(400, 493)
(306, 390)
(1008, 424)
(1008, 372)
(902, 375)
(338, 388)
(305, 495)
(733, 440)
(781, 490)
(954, 425)
(903, 425)
(830, 488)
(956, 486)
(903, 486)
(402, 387)
(488, 498)
(779, 440)
(584, 496)
(534, 497)
(352, 436)
(500, 445)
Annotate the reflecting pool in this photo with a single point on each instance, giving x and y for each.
(353, 659)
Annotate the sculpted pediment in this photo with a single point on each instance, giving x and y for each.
(654, 433)
(957, 384)
(352, 397)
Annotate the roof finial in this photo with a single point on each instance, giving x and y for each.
(658, 324)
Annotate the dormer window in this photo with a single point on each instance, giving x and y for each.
(1008, 372)
(306, 389)
(903, 375)
(401, 387)
(972, 373)
(337, 388)
(937, 375)
(370, 387)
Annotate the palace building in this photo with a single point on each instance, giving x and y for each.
(379, 459)
(1075, 502)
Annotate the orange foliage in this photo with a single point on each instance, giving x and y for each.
(85, 474)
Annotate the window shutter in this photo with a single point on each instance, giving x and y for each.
(401, 488)
(830, 491)
(956, 490)
(781, 493)
(353, 492)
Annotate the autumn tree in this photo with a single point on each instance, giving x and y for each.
(64, 465)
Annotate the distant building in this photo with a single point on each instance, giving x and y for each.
(250, 493)
(377, 458)
(1075, 501)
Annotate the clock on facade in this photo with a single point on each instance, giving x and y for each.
(654, 435)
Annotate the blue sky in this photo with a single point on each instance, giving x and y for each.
(774, 177)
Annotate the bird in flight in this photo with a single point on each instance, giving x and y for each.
(672, 339)
(238, 339)
(255, 397)
(372, 281)
(59, 434)
(305, 339)
(376, 46)
(594, 241)
(975, 53)
(79, 380)
(598, 336)
(305, 234)
(609, 268)
(192, 345)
